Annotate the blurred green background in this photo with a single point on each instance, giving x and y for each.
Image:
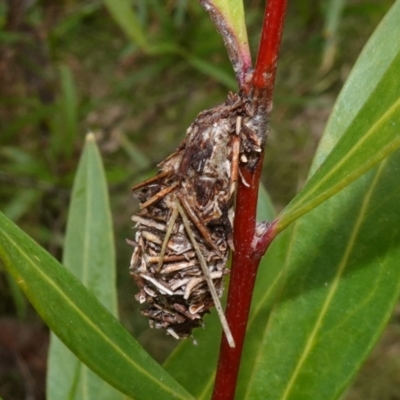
(69, 67)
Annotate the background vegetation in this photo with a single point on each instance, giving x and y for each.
(66, 67)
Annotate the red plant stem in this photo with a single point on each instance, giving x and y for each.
(243, 272)
(248, 247)
(267, 58)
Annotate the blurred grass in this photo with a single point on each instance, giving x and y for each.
(67, 67)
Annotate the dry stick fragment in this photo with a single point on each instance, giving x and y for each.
(151, 237)
(149, 291)
(171, 224)
(235, 163)
(193, 282)
(159, 195)
(195, 309)
(157, 284)
(238, 124)
(245, 183)
(206, 273)
(178, 284)
(151, 180)
(170, 258)
(202, 229)
(178, 266)
(148, 222)
(235, 155)
(173, 333)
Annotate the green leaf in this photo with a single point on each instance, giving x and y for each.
(140, 160)
(81, 322)
(64, 121)
(22, 201)
(333, 12)
(215, 72)
(205, 352)
(126, 18)
(228, 17)
(69, 105)
(89, 254)
(130, 20)
(365, 122)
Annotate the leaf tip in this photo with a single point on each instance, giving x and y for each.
(90, 137)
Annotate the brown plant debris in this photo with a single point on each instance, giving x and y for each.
(184, 227)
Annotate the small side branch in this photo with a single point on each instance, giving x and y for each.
(265, 234)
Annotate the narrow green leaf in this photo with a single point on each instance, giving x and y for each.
(205, 352)
(22, 201)
(369, 126)
(64, 120)
(333, 12)
(211, 70)
(228, 17)
(123, 13)
(137, 156)
(89, 254)
(81, 322)
(69, 106)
